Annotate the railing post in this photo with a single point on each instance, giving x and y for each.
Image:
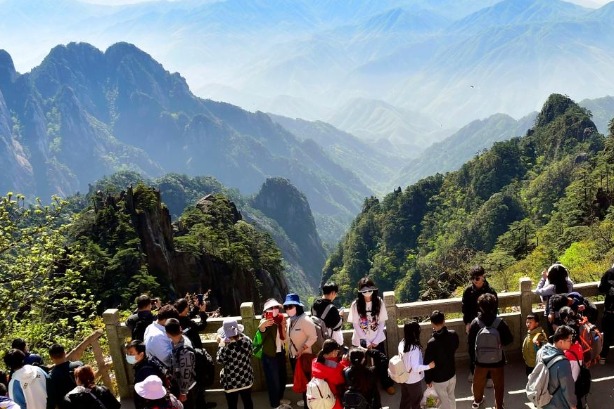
(250, 324)
(111, 321)
(526, 302)
(392, 328)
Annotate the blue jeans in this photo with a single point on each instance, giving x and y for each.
(275, 375)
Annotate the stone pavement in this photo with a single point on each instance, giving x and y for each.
(601, 396)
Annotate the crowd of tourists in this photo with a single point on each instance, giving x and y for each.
(61, 384)
(329, 374)
(173, 370)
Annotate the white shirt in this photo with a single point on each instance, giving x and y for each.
(413, 361)
(369, 328)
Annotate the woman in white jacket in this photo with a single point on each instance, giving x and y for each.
(411, 351)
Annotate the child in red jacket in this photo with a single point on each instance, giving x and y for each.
(329, 366)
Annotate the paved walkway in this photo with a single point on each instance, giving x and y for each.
(601, 396)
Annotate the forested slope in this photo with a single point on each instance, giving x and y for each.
(514, 208)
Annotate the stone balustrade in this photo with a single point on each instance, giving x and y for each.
(513, 307)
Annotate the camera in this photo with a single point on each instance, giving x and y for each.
(363, 343)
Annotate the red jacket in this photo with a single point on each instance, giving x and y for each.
(332, 376)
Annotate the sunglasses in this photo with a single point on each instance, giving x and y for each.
(365, 291)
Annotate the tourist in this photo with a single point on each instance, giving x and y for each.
(441, 349)
(488, 359)
(87, 395)
(329, 366)
(561, 382)
(478, 286)
(411, 351)
(273, 331)
(368, 316)
(533, 341)
(235, 355)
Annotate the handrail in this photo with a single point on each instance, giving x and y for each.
(103, 366)
(520, 303)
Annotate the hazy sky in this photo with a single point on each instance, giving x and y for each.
(586, 3)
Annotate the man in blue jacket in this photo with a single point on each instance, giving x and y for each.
(561, 380)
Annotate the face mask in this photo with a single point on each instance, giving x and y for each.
(131, 359)
(275, 312)
(291, 312)
(367, 293)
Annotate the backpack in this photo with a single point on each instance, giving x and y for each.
(591, 340)
(138, 332)
(322, 331)
(319, 395)
(488, 349)
(537, 384)
(204, 367)
(583, 383)
(397, 370)
(354, 400)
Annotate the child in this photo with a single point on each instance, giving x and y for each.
(235, 355)
(535, 339)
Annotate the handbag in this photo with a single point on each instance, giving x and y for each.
(257, 345)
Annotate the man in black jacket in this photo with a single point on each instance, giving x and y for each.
(141, 319)
(481, 331)
(441, 349)
(143, 367)
(606, 286)
(332, 319)
(478, 286)
(61, 377)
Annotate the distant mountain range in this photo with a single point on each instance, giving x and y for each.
(83, 113)
(428, 66)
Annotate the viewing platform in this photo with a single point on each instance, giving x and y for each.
(513, 307)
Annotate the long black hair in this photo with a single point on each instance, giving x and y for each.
(557, 275)
(361, 304)
(360, 378)
(411, 335)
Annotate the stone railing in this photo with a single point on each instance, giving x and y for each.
(514, 306)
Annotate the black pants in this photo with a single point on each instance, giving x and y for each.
(607, 327)
(232, 399)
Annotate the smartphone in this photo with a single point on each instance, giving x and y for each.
(268, 315)
(200, 299)
(363, 343)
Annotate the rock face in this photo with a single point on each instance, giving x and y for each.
(282, 202)
(193, 273)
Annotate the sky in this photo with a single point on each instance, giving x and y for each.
(585, 3)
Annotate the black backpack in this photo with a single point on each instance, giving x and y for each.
(204, 367)
(140, 325)
(583, 383)
(352, 399)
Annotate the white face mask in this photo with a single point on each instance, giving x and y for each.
(291, 312)
(367, 293)
(131, 359)
(275, 312)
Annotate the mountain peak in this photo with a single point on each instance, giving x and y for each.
(7, 67)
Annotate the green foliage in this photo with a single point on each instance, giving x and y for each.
(43, 293)
(514, 209)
